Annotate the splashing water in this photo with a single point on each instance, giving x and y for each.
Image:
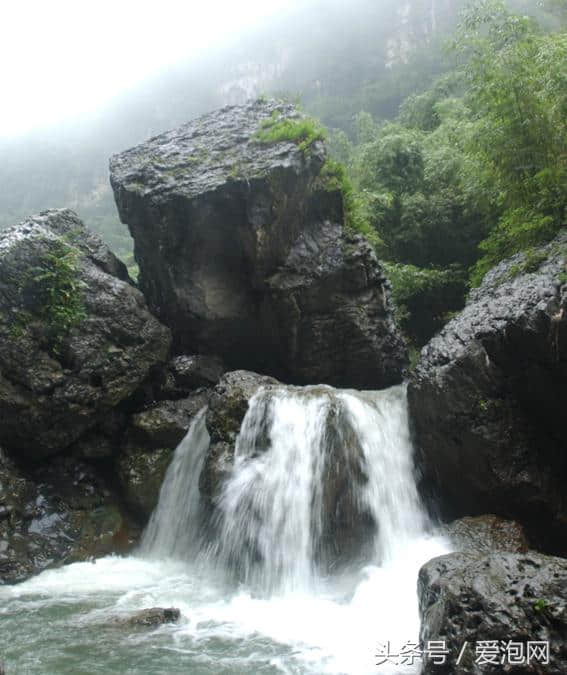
(316, 470)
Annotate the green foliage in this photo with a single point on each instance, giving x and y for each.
(518, 230)
(333, 176)
(55, 293)
(394, 160)
(303, 131)
(424, 297)
(518, 93)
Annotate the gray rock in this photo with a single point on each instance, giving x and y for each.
(329, 310)
(487, 534)
(196, 371)
(151, 438)
(185, 373)
(501, 597)
(487, 400)
(56, 380)
(243, 253)
(155, 616)
(94, 445)
(59, 513)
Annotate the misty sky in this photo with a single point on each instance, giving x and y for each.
(63, 57)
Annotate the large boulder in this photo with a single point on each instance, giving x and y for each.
(76, 337)
(149, 443)
(487, 400)
(59, 512)
(500, 610)
(243, 252)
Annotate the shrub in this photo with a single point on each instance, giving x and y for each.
(55, 293)
(303, 131)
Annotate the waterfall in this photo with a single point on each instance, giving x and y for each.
(315, 469)
(320, 475)
(319, 523)
(174, 526)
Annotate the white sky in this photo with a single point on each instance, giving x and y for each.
(59, 58)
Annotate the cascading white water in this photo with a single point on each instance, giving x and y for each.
(273, 506)
(311, 465)
(173, 528)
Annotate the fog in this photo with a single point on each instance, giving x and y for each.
(82, 81)
(63, 58)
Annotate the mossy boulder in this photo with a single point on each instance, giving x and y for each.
(76, 336)
(245, 251)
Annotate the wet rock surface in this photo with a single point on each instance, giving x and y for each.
(487, 534)
(489, 602)
(64, 367)
(150, 441)
(59, 513)
(185, 373)
(155, 616)
(487, 400)
(243, 253)
(227, 407)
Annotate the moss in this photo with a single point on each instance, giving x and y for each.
(235, 171)
(20, 321)
(303, 131)
(414, 356)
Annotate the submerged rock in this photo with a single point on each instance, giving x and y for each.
(243, 252)
(155, 616)
(487, 400)
(151, 438)
(497, 606)
(59, 513)
(76, 337)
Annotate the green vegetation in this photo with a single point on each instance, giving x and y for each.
(454, 158)
(472, 170)
(303, 131)
(424, 298)
(518, 95)
(333, 176)
(55, 294)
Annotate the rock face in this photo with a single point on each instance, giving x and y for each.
(498, 598)
(63, 513)
(243, 253)
(488, 400)
(185, 373)
(487, 534)
(151, 438)
(227, 407)
(76, 337)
